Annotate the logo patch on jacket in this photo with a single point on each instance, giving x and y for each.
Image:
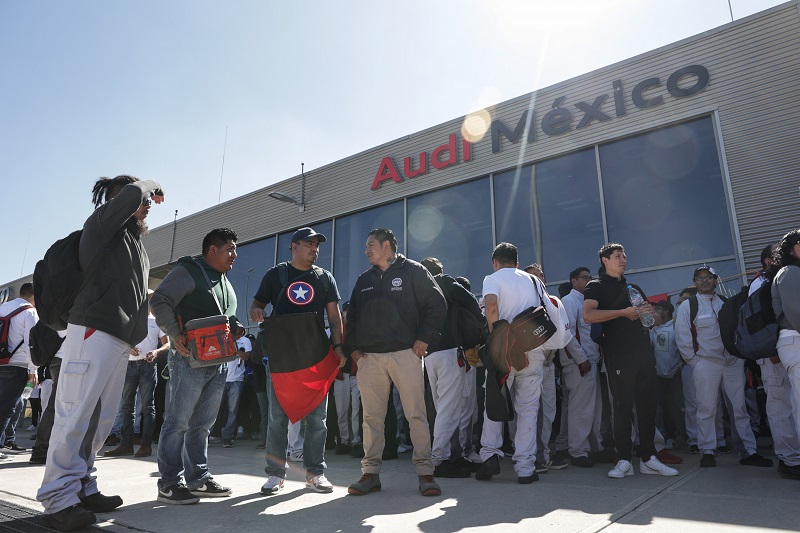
(397, 284)
(300, 293)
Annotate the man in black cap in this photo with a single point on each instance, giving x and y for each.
(299, 286)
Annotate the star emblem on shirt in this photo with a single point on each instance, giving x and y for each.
(300, 293)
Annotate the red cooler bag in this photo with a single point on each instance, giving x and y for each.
(210, 341)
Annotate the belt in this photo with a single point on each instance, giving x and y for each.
(141, 361)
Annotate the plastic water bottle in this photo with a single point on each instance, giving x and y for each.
(26, 392)
(648, 320)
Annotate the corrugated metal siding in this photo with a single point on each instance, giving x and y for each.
(754, 75)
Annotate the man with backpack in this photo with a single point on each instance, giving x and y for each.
(107, 317)
(697, 334)
(193, 290)
(293, 288)
(443, 366)
(17, 317)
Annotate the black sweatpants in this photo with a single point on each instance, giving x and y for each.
(633, 381)
(45, 426)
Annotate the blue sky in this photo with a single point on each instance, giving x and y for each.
(97, 88)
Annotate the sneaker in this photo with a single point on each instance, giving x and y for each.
(343, 449)
(756, 460)
(623, 468)
(540, 468)
(145, 450)
(368, 483)
(70, 519)
(403, 448)
(428, 486)
(31, 428)
(13, 448)
(98, 503)
(669, 444)
(296, 456)
(556, 463)
(694, 449)
(176, 494)
(227, 443)
(788, 471)
(668, 458)
(111, 440)
(725, 450)
(489, 468)
(357, 451)
(527, 480)
(319, 483)
(273, 485)
(37, 459)
(708, 460)
(449, 469)
(4, 457)
(656, 467)
(581, 462)
(119, 451)
(211, 489)
(214, 440)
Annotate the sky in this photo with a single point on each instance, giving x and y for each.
(163, 89)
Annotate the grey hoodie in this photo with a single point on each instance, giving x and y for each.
(786, 297)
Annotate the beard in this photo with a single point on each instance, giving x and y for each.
(137, 227)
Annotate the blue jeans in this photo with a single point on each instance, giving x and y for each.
(232, 392)
(278, 441)
(142, 376)
(12, 382)
(263, 409)
(183, 445)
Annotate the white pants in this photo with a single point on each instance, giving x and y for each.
(89, 390)
(547, 413)
(526, 389)
(296, 437)
(469, 410)
(789, 352)
(581, 409)
(447, 388)
(780, 412)
(348, 408)
(708, 375)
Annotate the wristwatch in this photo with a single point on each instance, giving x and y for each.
(338, 345)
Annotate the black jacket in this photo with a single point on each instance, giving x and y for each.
(392, 309)
(453, 292)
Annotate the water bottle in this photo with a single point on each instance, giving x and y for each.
(26, 392)
(648, 320)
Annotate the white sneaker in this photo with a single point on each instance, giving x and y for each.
(319, 483)
(474, 457)
(273, 485)
(656, 467)
(31, 428)
(402, 448)
(622, 469)
(296, 457)
(4, 457)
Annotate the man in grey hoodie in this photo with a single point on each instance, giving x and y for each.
(108, 317)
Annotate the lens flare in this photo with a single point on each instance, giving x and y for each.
(475, 125)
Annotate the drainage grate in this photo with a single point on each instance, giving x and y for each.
(16, 519)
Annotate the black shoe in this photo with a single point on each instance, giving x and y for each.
(343, 449)
(388, 455)
(788, 471)
(606, 455)
(357, 451)
(527, 480)
(12, 447)
(449, 469)
(111, 440)
(756, 460)
(489, 468)
(694, 449)
(724, 449)
(72, 518)
(581, 462)
(540, 468)
(36, 460)
(176, 494)
(561, 454)
(708, 460)
(211, 489)
(97, 503)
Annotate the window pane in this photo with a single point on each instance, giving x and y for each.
(285, 244)
(673, 280)
(351, 236)
(252, 262)
(453, 225)
(568, 197)
(664, 197)
(513, 201)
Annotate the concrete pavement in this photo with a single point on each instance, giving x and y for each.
(729, 497)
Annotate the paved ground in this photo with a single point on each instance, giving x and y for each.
(729, 497)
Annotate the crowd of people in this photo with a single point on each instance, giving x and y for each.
(385, 372)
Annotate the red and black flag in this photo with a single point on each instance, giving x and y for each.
(301, 360)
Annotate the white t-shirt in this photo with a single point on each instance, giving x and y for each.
(515, 291)
(19, 332)
(150, 343)
(236, 368)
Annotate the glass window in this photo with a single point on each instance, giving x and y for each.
(513, 211)
(671, 281)
(252, 262)
(568, 198)
(351, 234)
(664, 196)
(285, 244)
(455, 226)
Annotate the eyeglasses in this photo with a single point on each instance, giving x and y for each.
(585, 277)
(147, 203)
(704, 278)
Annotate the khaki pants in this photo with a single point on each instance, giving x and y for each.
(376, 373)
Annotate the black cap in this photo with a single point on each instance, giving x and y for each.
(303, 234)
(704, 267)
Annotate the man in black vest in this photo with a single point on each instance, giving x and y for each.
(184, 295)
(299, 287)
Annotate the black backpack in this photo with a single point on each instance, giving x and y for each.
(44, 343)
(467, 329)
(748, 325)
(6, 353)
(58, 278)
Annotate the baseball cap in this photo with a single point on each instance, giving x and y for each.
(704, 267)
(307, 233)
